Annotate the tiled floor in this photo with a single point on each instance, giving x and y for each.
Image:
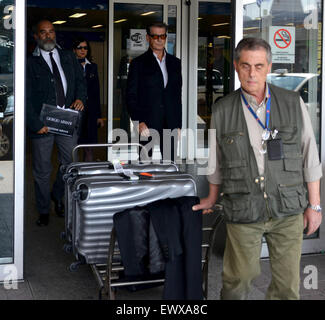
(47, 276)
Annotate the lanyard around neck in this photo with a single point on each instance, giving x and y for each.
(268, 110)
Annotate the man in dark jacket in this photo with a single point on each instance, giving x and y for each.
(53, 77)
(154, 90)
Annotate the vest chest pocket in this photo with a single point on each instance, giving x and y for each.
(288, 134)
(289, 137)
(292, 197)
(292, 162)
(232, 145)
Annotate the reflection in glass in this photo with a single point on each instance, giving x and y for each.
(6, 131)
(213, 61)
(298, 67)
(171, 39)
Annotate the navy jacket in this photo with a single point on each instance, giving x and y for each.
(92, 106)
(164, 235)
(40, 86)
(147, 99)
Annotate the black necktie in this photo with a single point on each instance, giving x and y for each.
(59, 91)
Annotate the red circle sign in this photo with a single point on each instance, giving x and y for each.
(282, 38)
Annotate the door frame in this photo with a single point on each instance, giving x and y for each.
(193, 30)
(11, 272)
(165, 4)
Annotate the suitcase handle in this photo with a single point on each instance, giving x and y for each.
(100, 145)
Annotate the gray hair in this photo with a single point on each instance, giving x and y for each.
(253, 44)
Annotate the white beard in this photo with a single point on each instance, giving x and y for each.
(47, 46)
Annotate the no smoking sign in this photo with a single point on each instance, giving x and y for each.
(282, 42)
(282, 38)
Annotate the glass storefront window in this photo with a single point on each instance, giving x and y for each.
(213, 74)
(294, 31)
(6, 131)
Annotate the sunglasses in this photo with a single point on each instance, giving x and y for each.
(81, 47)
(157, 36)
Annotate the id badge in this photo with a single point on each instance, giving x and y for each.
(275, 149)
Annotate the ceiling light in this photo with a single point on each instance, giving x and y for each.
(59, 22)
(119, 21)
(78, 15)
(199, 18)
(251, 28)
(147, 13)
(97, 26)
(8, 16)
(220, 24)
(223, 37)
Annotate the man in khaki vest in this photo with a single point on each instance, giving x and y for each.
(263, 156)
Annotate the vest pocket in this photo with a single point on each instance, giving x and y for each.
(293, 164)
(234, 170)
(288, 134)
(232, 146)
(234, 177)
(292, 197)
(236, 207)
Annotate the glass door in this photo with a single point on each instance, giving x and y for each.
(214, 62)
(128, 22)
(210, 65)
(12, 58)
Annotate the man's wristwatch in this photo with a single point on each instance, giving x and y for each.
(316, 207)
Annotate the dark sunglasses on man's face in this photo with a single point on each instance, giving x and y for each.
(157, 36)
(81, 47)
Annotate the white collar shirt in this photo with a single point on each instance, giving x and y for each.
(162, 65)
(254, 128)
(56, 57)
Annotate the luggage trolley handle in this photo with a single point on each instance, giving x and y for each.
(108, 145)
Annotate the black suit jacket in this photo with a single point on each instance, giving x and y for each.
(166, 227)
(147, 99)
(40, 86)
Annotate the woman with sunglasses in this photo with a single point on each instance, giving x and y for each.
(92, 113)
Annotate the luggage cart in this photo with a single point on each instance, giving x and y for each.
(73, 173)
(107, 275)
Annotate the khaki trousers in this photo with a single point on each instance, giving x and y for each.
(241, 262)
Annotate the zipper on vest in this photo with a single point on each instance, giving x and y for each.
(289, 185)
(266, 198)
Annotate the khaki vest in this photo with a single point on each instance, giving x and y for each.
(242, 195)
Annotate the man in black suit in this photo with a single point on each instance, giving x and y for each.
(154, 92)
(54, 77)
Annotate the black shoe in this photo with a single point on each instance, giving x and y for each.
(59, 206)
(43, 220)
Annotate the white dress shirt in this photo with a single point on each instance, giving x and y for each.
(56, 57)
(162, 65)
